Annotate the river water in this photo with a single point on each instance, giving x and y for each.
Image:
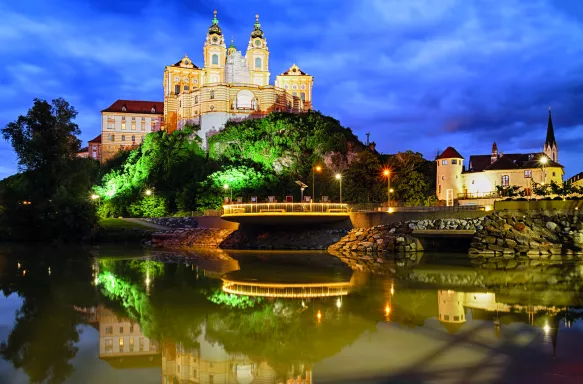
(129, 315)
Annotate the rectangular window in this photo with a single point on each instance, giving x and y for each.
(141, 344)
(123, 125)
(211, 379)
(443, 162)
(133, 138)
(194, 372)
(454, 161)
(121, 328)
(440, 189)
(152, 126)
(112, 138)
(109, 345)
(133, 125)
(143, 125)
(131, 328)
(121, 343)
(554, 174)
(131, 344)
(108, 330)
(505, 181)
(528, 174)
(446, 317)
(456, 318)
(123, 138)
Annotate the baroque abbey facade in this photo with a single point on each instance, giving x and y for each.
(230, 86)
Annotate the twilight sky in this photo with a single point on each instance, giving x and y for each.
(417, 74)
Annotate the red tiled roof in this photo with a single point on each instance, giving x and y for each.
(96, 140)
(136, 106)
(450, 153)
(84, 149)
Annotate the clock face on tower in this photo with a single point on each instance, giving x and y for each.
(215, 39)
(257, 43)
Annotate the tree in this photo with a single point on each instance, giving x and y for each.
(362, 181)
(412, 177)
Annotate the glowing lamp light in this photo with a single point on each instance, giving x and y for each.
(387, 310)
(94, 196)
(544, 160)
(488, 208)
(148, 192)
(226, 186)
(547, 328)
(339, 303)
(391, 190)
(319, 315)
(318, 168)
(338, 176)
(392, 289)
(386, 172)
(391, 209)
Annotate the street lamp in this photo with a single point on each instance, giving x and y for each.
(148, 192)
(339, 178)
(387, 173)
(226, 186)
(314, 170)
(544, 160)
(96, 197)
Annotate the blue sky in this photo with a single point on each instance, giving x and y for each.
(417, 74)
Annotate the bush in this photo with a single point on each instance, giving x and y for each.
(149, 206)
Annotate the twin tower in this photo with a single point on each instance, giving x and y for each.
(230, 86)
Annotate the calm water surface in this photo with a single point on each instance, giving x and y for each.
(137, 316)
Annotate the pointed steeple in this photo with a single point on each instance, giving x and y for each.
(550, 141)
(551, 149)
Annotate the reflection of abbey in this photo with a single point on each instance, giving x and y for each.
(483, 173)
(229, 86)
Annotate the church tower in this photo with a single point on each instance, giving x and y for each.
(258, 56)
(551, 149)
(215, 53)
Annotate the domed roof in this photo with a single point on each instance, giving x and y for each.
(214, 29)
(257, 32)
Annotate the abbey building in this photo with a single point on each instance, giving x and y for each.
(230, 86)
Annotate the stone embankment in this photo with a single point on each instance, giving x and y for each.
(317, 239)
(511, 240)
(173, 222)
(185, 238)
(398, 237)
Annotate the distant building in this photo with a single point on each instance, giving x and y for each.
(485, 172)
(125, 123)
(93, 149)
(83, 152)
(576, 180)
(230, 86)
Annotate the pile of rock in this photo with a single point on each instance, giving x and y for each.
(447, 224)
(174, 222)
(509, 240)
(184, 238)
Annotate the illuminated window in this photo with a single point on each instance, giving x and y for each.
(443, 162)
(505, 180)
(442, 177)
(131, 344)
(143, 125)
(212, 94)
(454, 161)
(121, 343)
(133, 125)
(258, 62)
(152, 125)
(528, 173)
(123, 125)
(215, 60)
(177, 89)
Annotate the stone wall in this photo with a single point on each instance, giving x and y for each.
(290, 238)
(510, 240)
(398, 237)
(185, 238)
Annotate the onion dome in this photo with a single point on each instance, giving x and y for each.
(214, 29)
(257, 32)
(231, 48)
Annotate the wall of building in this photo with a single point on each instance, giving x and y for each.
(449, 178)
(486, 181)
(115, 135)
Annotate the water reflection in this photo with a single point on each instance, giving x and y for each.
(246, 318)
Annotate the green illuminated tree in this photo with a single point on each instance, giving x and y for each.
(363, 182)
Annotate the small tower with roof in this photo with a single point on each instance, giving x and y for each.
(215, 53)
(449, 175)
(258, 55)
(551, 148)
(452, 314)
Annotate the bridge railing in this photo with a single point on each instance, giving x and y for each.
(286, 208)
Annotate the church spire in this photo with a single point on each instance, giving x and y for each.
(551, 149)
(550, 141)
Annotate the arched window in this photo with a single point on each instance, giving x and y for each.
(303, 96)
(215, 59)
(186, 88)
(196, 99)
(212, 94)
(258, 62)
(177, 89)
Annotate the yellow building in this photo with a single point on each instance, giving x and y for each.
(577, 180)
(485, 172)
(125, 123)
(230, 86)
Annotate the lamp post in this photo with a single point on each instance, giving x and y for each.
(96, 197)
(339, 178)
(317, 168)
(226, 186)
(387, 173)
(544, 160)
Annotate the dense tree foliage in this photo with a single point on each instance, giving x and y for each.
(50, 198)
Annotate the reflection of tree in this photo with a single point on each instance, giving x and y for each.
(45, 331)
(413, 307)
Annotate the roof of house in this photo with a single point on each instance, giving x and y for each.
(84, 149)
(136, 106)
(96, 139)
(480, 163)
(575, 178)
(294, 70)
(450, 153)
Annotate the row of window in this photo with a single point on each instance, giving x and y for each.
(123, 138)
(124, 109)
(453, 161)
(121, 343)
(111, 125)
(295, 86)
(109, 330)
